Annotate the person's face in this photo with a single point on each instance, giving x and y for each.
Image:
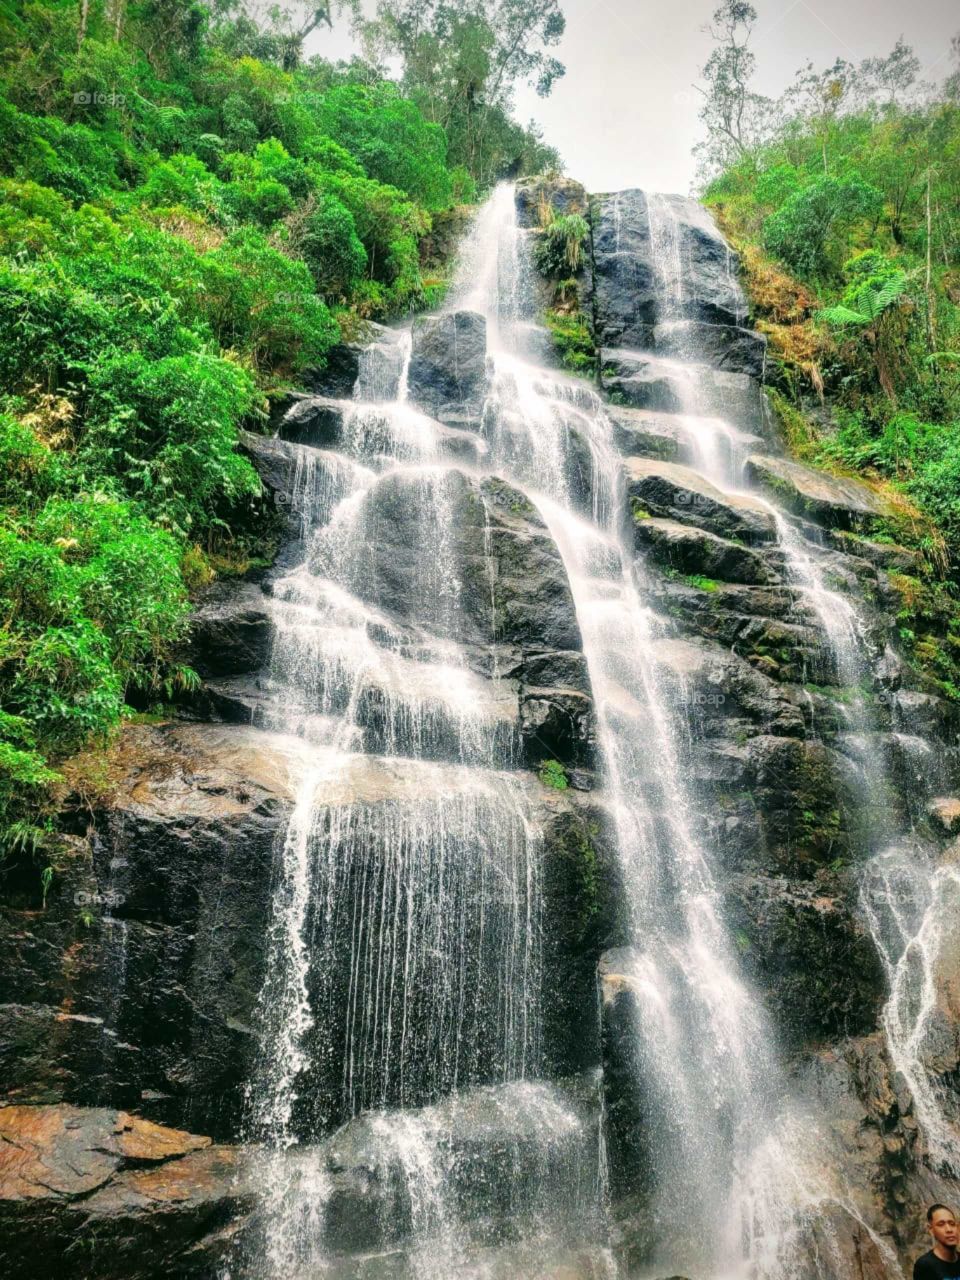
(943, 1228)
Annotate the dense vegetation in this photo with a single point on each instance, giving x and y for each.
(843, 199)
(192, 213)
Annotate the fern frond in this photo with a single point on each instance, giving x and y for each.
(840, 316)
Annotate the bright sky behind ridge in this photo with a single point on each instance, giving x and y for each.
(626, 112)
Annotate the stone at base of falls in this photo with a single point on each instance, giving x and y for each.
(496, 1155)
(137, 982)
(830, 500)
(648, 381)
(722, 346)
(448, 363)
(695, 551)
(944, 813)
(110, 1196)
(682, 494)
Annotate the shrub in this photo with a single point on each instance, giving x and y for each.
(559, 249)
(806, 233)
(331, 247)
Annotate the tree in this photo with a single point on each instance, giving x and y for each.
(732, 113)
(818, 96)
(805, 231)
(889, 80)
(462, 63)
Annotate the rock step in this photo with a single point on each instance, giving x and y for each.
(648, 381)
(681, 494)
(831, 500)
(696, 551)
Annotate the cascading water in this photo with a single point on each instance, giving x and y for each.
(715, 1100)
(404, 946)
(906, 901)
(403, 997)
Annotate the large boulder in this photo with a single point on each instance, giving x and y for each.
(137, 984)
(683, 495)
(110, 1196)
(562, 196)
(643, 433)
(831, 500)
(231, 630)
(804, 946)
(448, 364)
(708, 287)
(310, 419)
(344, 362)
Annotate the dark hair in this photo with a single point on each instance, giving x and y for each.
(933, 1209)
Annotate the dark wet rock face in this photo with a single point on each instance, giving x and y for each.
(625, 296)
(161, 920)
(448, 364)
(722, 346)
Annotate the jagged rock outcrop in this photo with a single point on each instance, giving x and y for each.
(93, 1191)
(683, 495)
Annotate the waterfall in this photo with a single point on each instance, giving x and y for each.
(719, 1116)
(907, 903)
(905, 900)
(403, 1100)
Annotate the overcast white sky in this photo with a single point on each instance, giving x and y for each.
(625, 114)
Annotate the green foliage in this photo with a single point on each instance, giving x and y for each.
(331, 248)
(574, 341)
(875, 286)
(187, 215)
(552, 774)
(166, 429)
(809, 229)
(559, 248)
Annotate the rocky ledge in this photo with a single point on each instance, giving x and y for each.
(92, 1191)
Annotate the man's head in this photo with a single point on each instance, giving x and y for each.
(943, 1226)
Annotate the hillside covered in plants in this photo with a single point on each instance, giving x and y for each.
(193, 212)
(843, 200)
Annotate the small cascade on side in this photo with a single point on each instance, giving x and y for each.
(906, 900)
(913, 907)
